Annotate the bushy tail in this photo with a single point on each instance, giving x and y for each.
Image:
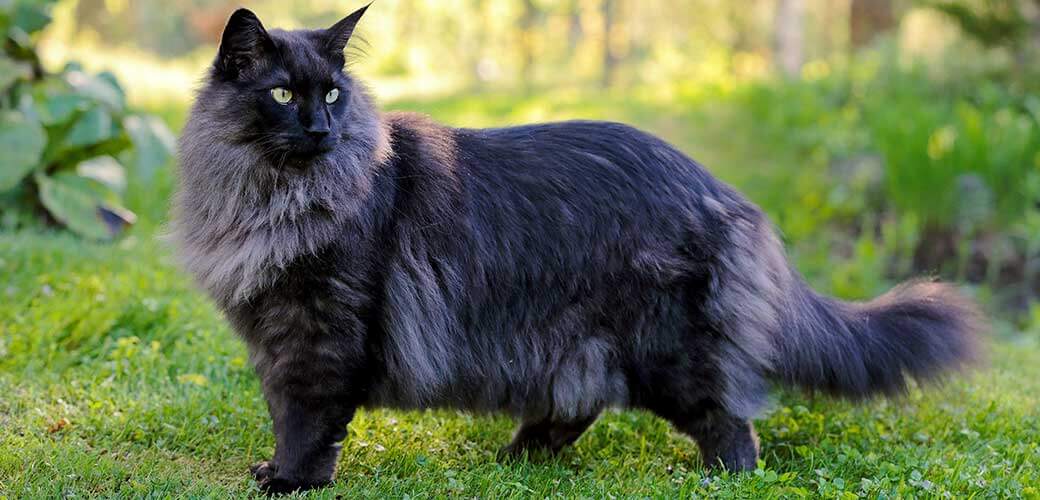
(855, 350)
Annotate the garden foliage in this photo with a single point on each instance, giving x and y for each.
(68, 138)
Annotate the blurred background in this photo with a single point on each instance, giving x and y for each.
(885, 138)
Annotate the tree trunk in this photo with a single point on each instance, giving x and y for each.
(736, 16)
(574, 30)
(527, 22)
(479, 40)
(790, 36)
(92, 13)
(869, 18)
(610, 59)
(1036, 25)
(833, 13)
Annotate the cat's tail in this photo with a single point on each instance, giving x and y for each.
(918, 330)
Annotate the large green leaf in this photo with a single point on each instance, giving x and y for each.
(154, 144)
(56, 103)
(16, 207)
(32, 16)
(93, 127)
(6, 8)
(83, 205)
(11, 71)
(21, 141)
(102, 87)
(105, 170)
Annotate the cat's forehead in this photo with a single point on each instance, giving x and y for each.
(302, 54)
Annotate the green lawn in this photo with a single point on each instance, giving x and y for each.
(118, 379)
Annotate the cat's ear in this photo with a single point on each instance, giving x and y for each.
(243, 46)
(339, 34)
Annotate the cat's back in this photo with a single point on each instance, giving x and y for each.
(574, 194)
(583, 149)
(577, 147)
(608, 164)
(594, 175)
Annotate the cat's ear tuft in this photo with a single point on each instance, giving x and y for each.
(243, 45)
(339, 34)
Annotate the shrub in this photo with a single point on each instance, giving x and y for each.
(950, 166)
(66, 138)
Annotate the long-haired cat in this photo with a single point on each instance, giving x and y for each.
(545, 271)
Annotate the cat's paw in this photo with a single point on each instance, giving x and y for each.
(271, 483)
(520, 451)
(262, 470)
(509, 452)
(265, 474)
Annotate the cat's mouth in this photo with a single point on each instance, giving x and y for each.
(298, 152)
(311, 150)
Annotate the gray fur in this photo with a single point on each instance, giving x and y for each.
(238, 224)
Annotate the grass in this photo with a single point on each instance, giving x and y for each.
(118, 379)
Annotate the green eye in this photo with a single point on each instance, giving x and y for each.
(281, 96)
(332, 96)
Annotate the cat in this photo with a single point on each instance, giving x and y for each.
(547, 271)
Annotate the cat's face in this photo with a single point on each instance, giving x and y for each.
(287, 88)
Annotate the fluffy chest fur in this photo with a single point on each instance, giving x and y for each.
(242, 217)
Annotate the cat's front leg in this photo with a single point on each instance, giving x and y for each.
(307, 444)
(310, 404)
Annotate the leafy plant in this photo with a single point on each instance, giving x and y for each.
(948, 171)
(67, 138)
(994, 23)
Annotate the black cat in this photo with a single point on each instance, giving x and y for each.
(546, 271)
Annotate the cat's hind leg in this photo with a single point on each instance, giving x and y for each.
(724, 440)
(710, 398)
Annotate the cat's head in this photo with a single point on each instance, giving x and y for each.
(286, 92)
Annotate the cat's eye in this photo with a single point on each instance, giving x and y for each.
(281, 95)
(332, 96)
